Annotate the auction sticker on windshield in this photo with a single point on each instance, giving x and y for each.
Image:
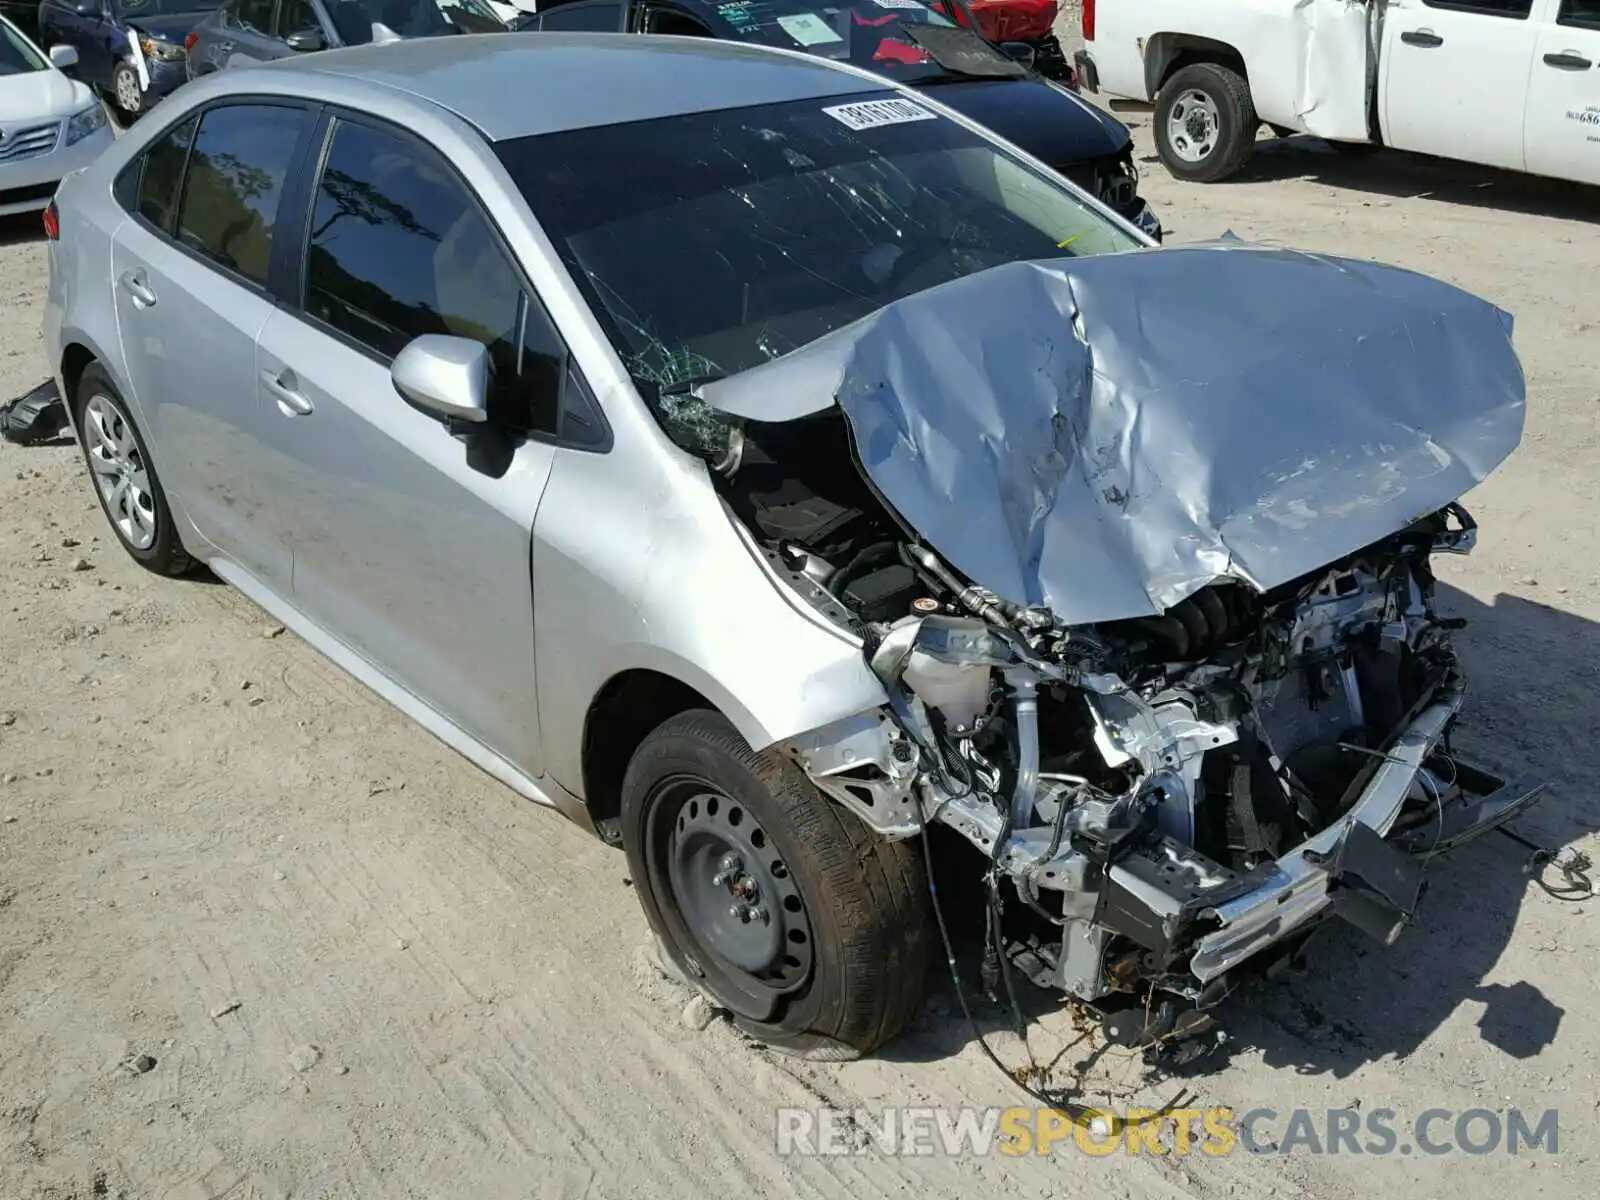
(869, 114)
(809, 29)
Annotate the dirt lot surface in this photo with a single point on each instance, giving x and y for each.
(362, 969)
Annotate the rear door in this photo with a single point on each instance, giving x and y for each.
(411, 547)
(1563, 117)
(190, 274)
(1454, 78)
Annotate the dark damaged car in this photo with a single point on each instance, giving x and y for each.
(763, 465)
(916, 45)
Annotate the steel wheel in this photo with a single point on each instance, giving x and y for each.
(1193, 124)
(119, 471)
(737, 898)
(787, 912)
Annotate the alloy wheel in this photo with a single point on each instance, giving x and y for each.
(119, 471)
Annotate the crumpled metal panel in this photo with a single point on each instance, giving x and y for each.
(1108, 435)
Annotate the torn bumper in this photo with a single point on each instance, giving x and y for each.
(1365, 868)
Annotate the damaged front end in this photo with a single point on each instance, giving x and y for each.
(1143, 560)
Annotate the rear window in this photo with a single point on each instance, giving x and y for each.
(713, 242)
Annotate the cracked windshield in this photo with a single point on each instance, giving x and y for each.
(714, 242)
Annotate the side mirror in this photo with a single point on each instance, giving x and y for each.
(445, 376)
(306, 41)
(1019, 51)
(64, 57)
(87, 8)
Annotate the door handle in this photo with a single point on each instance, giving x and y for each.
(133, 282)
(1567, 60)
(291, 401)
(1426, 38)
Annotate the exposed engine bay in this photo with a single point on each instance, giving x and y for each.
(1219, 747)
(1131, 779)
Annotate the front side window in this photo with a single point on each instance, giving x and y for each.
(1515, 9)
(255, 15)
(399, 249)
(590, 16)
(237, 167)
(297, 16)
(162, 175)
(355, 20)
(711, 243)
(1581, 14)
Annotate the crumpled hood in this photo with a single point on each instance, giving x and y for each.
(1106, 436)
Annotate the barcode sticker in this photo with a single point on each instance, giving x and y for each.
(870, 114)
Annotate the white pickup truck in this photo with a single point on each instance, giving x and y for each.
(1506, 83)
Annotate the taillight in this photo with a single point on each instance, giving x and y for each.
(52, 221)
(188, 42)
(1088, 20)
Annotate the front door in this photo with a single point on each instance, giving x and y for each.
(410, 546)
(1454, 78)
(190, 273)
(1563, 118)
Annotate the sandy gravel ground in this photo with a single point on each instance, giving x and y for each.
(363, 969)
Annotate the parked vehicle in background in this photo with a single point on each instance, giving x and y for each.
(1504, 83)
(1029, 22)
(131, 50)
(911, 43)
(252, 31)
(24, 14)
(50, 124)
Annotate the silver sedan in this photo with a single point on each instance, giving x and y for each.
(707, 441)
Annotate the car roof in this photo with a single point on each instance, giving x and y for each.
(513, 85)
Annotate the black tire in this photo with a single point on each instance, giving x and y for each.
(1225, 149)
(164, 554)
(850, 909)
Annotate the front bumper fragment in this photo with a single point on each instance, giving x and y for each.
(1363, 874)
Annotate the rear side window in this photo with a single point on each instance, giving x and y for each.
(399, 249)
(162, 174)
(237, 167)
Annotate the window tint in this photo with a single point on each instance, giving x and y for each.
(1515, 9)
(255, 15)
(601, 17)
(665, 20)
(162, 173)
(237, 168)
(1585, 14)
(399, 249)
(297, 16)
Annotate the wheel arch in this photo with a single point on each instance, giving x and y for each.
(628, 707)
(1166, 53)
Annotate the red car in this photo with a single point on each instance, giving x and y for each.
(1028, 21)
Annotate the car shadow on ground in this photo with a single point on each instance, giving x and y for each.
(19, 228)
(1535, 673)
(1407, 176)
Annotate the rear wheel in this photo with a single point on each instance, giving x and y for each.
(125, 480)
(1205, 122)
(808, 928)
